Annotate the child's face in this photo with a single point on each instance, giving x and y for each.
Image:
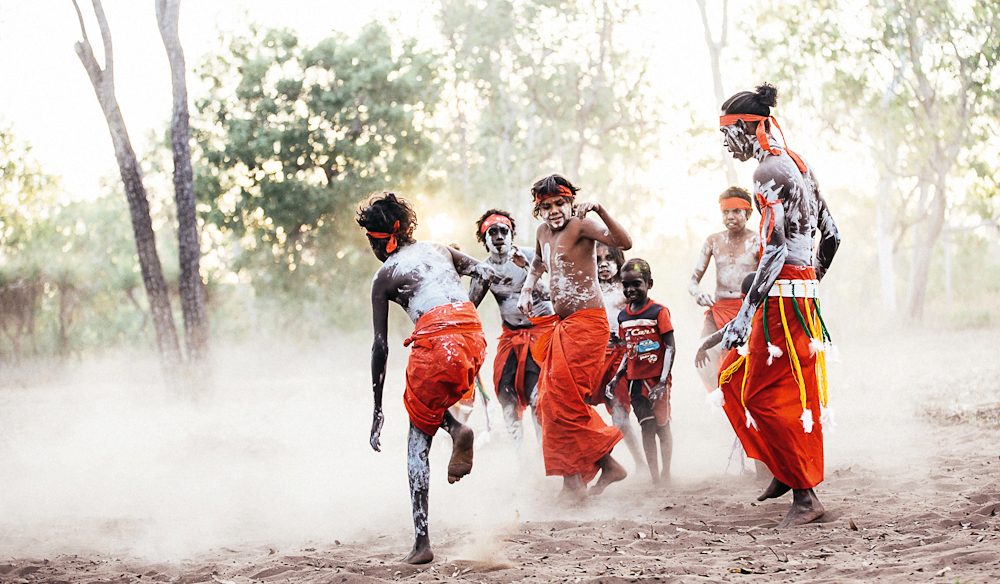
(498, 239)
(556, 212)
(734, 219)
(607, 267)
(635, 287)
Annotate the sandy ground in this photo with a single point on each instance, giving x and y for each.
(268, 481)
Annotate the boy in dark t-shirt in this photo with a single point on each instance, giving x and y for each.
(645, 327)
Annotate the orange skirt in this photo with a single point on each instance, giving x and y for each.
(519, 342)
(448, 348)
(771, 395)
(571, 356)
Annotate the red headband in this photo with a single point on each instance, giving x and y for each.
(391, 245)
(493, 220)
(562, 191)
(729, 119)
(735, 203)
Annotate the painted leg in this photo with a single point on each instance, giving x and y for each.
(418, 468)
(620, 418)
(666, 449)
(513, 423)
(763, 473)
(805, 508)
(531, 385)
(462, 443)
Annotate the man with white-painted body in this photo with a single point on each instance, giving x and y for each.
(448, 344)
(576, 443)
(775, 381)
(515, 371)
(736, 251)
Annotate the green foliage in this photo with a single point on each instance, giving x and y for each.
(68, 276)
(542, 87)
(291, 137)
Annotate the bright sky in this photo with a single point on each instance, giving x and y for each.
(50, 103)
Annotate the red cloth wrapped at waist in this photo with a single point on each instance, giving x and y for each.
(724, 310)
(571, 356)
(771, 394)
(613, 355)
(519, 341)
(448, 348)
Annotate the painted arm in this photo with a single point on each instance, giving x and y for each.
(524, 301)
(701, 356)
(700, 267)
(477, 290)
(613, 234)
(380, 354)
(829, 239)
(668, 365)
(609, 390)
(467, 265)
(772, 188)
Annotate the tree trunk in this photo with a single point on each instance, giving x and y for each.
(188, 245)
(923, 248)
(884, 243)
(135, 192)
(715, 49)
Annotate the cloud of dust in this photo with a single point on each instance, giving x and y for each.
(274, 451)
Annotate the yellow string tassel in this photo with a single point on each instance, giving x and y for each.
(796, 368)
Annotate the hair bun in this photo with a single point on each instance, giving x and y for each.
(767, 94)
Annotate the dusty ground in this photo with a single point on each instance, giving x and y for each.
(912, 490)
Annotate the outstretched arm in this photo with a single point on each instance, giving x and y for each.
(829, 239)
(701, 356)
(772, 187)
(613, 234)
(700, 267)
(467, 265)
(380, 354)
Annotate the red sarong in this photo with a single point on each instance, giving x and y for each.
(519, 341)
(613, 355)
(571, 356)
(724, 310)
(771, 395)
(448, 350)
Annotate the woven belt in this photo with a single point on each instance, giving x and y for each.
(795, 289)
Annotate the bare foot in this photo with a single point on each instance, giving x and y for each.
(611, 472)
(461, 454)
(774, 490)
(805, 508)
(420, 554)
(574, 490)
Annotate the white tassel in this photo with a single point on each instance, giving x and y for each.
(815, 346)
(832, 352)
(807, 420)
(716, 399)
(826, 419)
(750, 420)
(743, 350)
(773, 352)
